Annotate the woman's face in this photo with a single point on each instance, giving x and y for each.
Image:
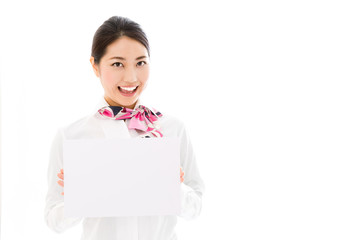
(123, 71)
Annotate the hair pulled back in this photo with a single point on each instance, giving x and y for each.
(112, 29)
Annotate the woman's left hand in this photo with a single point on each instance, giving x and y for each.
(181, 175)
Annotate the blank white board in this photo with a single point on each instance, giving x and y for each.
(121, 177)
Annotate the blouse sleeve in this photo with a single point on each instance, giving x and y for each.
(54, 209)
(193, 186)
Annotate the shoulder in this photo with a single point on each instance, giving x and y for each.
(171, 119)
(77, 128)
(171, 125)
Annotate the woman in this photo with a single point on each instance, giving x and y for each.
(120, 59)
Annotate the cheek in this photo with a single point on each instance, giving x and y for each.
(143, 76)
(109, 77)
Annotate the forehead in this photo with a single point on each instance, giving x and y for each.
(125, 47)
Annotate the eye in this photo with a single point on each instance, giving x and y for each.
(117, 64)
(141, 63)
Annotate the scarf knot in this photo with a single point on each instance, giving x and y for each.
(141, 118)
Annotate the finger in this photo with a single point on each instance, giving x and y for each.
(62, 171)
(61, 183)
(62, 193)
(60, 175)
(182, 174)
(181, 179)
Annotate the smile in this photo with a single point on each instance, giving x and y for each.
(128, 91)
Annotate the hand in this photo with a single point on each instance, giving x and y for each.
(181, 175)
(61, 176)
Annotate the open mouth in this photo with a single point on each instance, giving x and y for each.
(127, 90)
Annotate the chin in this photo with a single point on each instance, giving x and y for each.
(128, 103)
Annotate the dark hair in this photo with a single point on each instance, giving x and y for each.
(112, 29)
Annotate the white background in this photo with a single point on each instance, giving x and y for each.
(269, 91)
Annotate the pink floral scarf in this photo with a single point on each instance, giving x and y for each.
(141, 118)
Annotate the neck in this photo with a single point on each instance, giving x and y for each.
(112, 103)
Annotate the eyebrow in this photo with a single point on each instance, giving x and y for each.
(121, 58)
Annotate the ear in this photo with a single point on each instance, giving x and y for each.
(94, 66)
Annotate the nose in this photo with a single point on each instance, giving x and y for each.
(130, 75)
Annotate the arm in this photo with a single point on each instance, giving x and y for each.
(54, 209)
(193, 186)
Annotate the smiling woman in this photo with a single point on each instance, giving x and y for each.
(120, 59)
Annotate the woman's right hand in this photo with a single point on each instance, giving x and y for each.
(61, 176)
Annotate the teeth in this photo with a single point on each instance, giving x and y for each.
(128, 88)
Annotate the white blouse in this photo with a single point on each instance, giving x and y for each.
(124, 228)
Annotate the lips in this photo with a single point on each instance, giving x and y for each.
(128, 91)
